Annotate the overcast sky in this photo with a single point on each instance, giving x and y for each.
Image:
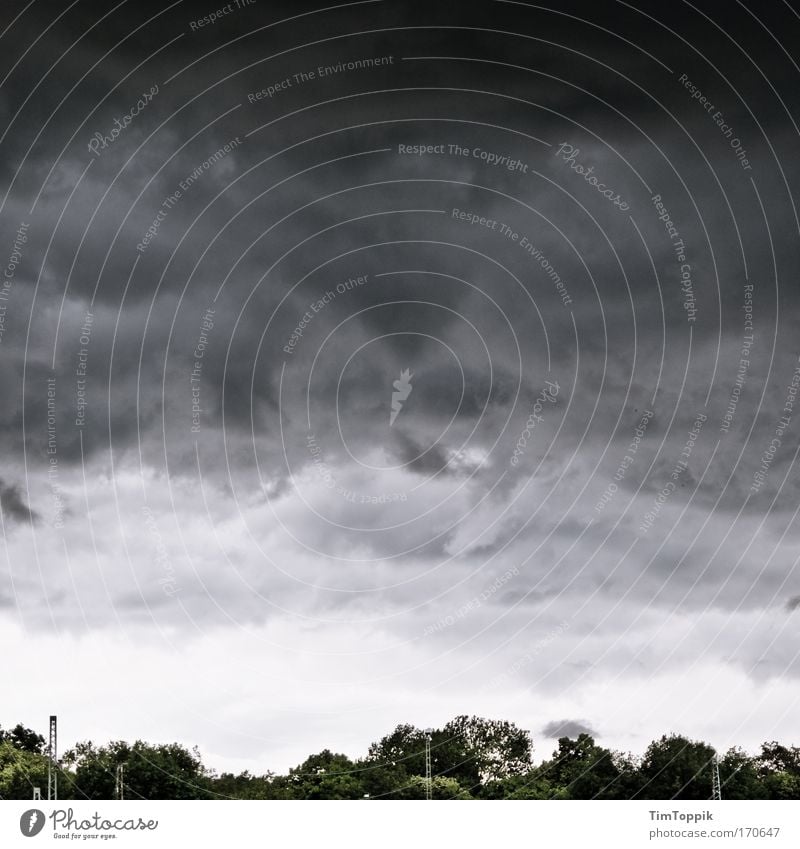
(574, 229)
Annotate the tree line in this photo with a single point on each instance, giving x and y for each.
(471, 758)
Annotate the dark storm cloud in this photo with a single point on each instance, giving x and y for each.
(264, 236)
(243, 394)
(567, 728)
(416, 457)
(13, 504)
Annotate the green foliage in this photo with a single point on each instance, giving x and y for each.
(326, 776)
(24, 739)
(167, 771)
(779, 769)
(483, 750)
(247, 786)
(471, 757)
(582, 769)
(675, 767)
(381, 781)
(392, 762)
(442, 787)
(403, 749)
(738, 773)
(470, 750)
(20, 772)
(532, 785)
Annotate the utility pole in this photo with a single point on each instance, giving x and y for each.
(52, 761)
(716, 785)
(428, 776)
(119, 783)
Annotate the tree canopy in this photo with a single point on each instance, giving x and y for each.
(471, 758)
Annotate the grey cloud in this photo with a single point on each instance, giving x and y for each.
(13, 504)
(567, 728)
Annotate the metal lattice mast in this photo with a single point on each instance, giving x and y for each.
(119, 783)
(52, 761)
(428, 776)
(716, 784)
